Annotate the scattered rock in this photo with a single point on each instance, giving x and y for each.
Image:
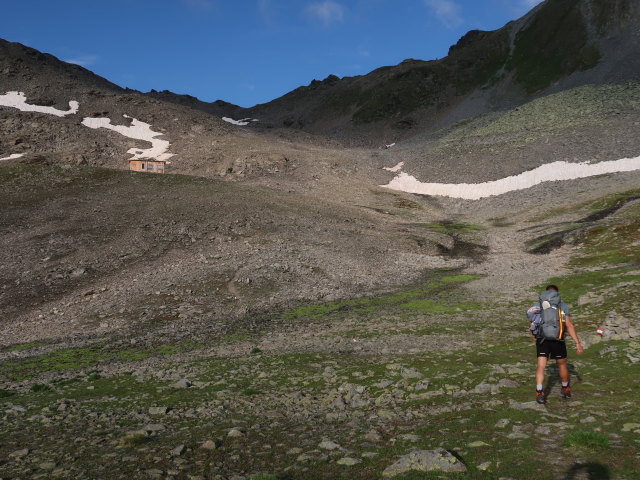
(410, 373)
(425, 461)
(372, 436)
(179, 450)
(211, 445)
(184, 383)
(158, 410)
(154, 428)
(19, 453)
(528, 406)
(348, 461)
(503, 422)
(477, 444)
(329, 445)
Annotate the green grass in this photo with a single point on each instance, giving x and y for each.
(586, 438)
(453, 227)
(39, 387)
(23, 346)
(581, 106)
(397, 92)
(610, 14)
(438, 291)
(71, 359)
(537, 64)
(6, 393)
(430, 306)
(251, 391)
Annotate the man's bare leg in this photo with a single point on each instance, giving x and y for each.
(564, 377)
(563, 370)
(542, 365)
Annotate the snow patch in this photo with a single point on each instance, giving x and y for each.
(13, 156)
(390, 145)
(19, 100)
(138, 130)
(550, 172)
(395, 169)
(242, 123)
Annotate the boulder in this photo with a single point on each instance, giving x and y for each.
(438, 460)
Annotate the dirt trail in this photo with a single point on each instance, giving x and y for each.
(510, 271)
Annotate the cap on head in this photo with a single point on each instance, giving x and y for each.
(552, 287)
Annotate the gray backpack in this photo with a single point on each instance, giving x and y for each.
(551, 325)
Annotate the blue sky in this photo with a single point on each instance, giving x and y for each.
(245, 51)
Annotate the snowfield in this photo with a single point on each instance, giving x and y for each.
(242, 123)
(19, 100)
(395, 169)
(550, 172)
(138, 130)
(13, 156)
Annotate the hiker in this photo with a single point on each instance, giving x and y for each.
(549, 322)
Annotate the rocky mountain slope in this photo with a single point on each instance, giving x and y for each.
(558, 45)
(267, 311)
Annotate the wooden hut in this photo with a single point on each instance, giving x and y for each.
(145, 165)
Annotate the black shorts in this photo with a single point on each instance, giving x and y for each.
(551, 349)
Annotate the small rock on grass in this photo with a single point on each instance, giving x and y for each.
(211, 445)
(477, 444)
(483, 467)
(528, 406)
(437, 460)
(328, 445)
(158, 410)
(627, 427)
(19, 453)
(179, 450)
(184, 383)
(503, 422)
(235, 433)
(348, 461)
(372, 436)
(154, 428)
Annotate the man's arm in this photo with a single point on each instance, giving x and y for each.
(571, 330)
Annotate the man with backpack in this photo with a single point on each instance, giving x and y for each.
(549, 322)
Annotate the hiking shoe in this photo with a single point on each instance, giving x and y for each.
(540, 397)
(565, 392)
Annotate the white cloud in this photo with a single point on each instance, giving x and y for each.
(83, 60)
(446, 11)
(327, 12)
(265, 8)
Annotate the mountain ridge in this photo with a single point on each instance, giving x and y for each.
(586, 41)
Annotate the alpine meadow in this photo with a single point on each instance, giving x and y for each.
(333, 284)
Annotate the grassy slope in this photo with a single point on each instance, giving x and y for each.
(282, 402)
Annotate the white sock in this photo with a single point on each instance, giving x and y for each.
(539, 387)
(565, 384)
